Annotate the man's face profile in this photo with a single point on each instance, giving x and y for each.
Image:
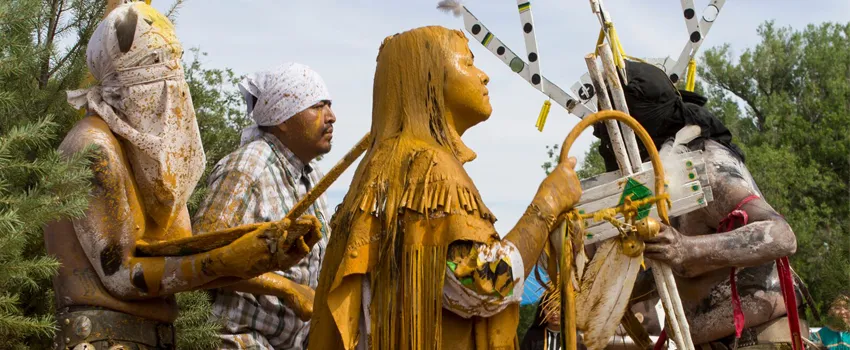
(312, 127)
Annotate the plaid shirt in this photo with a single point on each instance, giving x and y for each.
(260, 182)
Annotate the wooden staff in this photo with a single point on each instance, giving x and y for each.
(664, 280)
(208, 241)
(301, 207)
(619, 99)
(604, 105)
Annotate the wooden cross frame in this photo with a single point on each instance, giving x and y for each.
(580, 99)
(675, 69)
(604, 191)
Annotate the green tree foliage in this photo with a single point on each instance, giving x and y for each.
(36, 186)
(195, 329)
(220, 113)
(42, 54)
(794, 87)
(592, 165)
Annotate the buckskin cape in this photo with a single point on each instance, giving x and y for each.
(410, 198)
(444, 192)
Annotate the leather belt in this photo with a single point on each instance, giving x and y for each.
(81, 325)
(771, 335)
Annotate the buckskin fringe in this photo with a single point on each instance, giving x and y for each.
(435, 198)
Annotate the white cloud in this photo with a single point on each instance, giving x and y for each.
(340, 39)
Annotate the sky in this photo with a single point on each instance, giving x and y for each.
(340, 39)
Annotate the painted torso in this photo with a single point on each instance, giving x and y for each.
(707, 298)
(77, 283)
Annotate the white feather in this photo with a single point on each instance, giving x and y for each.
(450, 5)
(605, 291)
(669, 155)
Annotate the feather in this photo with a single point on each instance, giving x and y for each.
(581, 264)
(451, 5)
(605, 291)
(683, 137)
(669, 155)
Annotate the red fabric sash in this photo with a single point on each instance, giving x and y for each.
(661, 339)
(738, 218)
(729, 224)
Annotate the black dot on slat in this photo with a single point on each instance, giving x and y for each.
(674, 78)
(532, 57)
(689, 13)
(527, 28)
(476, 29)
(500, 50)
(695, 36)
(535, 79)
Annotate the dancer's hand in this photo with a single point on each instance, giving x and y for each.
(561, 190)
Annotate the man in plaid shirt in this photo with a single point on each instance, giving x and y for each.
(259, 182)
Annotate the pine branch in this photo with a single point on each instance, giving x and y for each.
(195, 329)
(28, 136)
(36, 182)
(18, 326)
(62, 190)
(60, 63)
(38, 167)
(11, 246)
(171, 14)
(9, 221)
(4, 185)
(27, 273)
(9, 304)
(7, 99)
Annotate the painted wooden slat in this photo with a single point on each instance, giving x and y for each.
(601, 179)
(709, 14)
(647, 178)
(614, 199)
(566, 100)
(610, 186)
(519, 66)
(685, 205)
(533, 53)
(691, 21)
(584, 89)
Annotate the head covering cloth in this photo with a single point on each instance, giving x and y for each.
(141, 94)
(275, 96)
(663, 110)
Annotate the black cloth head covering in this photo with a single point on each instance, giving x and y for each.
(662, 110)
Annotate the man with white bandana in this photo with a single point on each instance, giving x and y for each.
(273, 168)
(146, 157)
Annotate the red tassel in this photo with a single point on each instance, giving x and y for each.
(661, 339)
(738, 313)
(728, 224)
(786, 282)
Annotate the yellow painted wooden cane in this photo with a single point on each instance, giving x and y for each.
(568, 308)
